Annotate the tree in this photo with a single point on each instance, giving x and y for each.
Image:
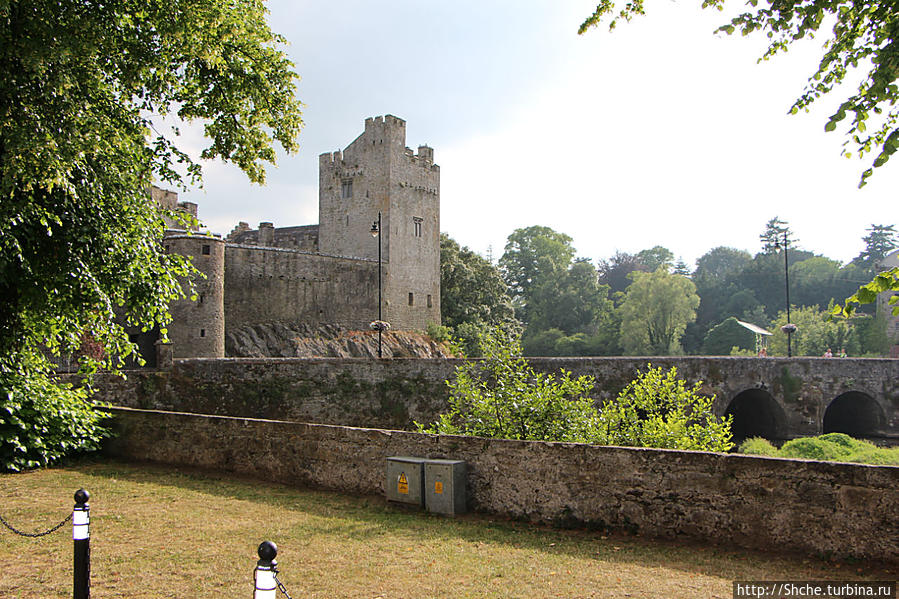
(719, 264)
(816, 333)
(862, 34)
(472, 294)
(880, 241)
(655, 312)
(532, 256)
(614, 271)
(764, 277)
(715, 280)
(657, 409)
(681, 268)
(772, 238)
(575, 302)
(655, 258)
(80, 85)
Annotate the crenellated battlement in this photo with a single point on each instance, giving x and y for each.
(329, 158)
(378, 123)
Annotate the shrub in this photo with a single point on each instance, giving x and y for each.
(842, 439)
(814, 448)
(758, 446)
(42, 421)
(502, 396)
(838, 447)
(658, 410)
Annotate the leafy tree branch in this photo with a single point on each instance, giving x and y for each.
(864, 34)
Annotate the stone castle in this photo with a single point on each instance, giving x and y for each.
(325, 274)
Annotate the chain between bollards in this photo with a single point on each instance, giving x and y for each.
(34, 535)
(281, 586)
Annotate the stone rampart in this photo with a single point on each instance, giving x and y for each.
(766, 503)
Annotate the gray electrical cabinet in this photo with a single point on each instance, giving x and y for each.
(405, 480)
(445, 486)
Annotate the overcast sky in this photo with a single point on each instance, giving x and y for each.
(660, 133)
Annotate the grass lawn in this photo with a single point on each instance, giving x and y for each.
(164, 532)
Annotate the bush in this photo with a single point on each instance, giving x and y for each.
(843, 440)
(814, 448)
(758, 446)
(501, 396)
(658, 410)
(837, 447)
(41, 421)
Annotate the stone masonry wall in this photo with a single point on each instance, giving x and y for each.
(273, 284)
(766, 503)
(394, 393)
(348, 391)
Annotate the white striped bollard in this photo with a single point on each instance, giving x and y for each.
(81, 518)
(264, 575)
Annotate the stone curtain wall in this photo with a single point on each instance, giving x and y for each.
(765, 503)
(274, 284)
(394, 393)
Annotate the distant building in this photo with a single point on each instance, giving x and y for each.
(325, 273)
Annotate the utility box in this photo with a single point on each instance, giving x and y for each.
(405, 480)
(445, 486)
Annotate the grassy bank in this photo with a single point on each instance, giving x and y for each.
(163, 532)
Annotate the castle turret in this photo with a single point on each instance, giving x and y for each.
(197, 329)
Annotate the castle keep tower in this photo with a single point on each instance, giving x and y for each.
(378, 172)
(325, 274)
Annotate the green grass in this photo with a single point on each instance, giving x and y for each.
(166, 532)
(837, 447)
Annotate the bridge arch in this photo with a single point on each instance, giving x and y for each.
(756, 414)
(855, 413)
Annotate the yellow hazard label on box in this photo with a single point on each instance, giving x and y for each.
(438, 487)
(402, 485)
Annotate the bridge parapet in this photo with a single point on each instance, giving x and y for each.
(775, 397)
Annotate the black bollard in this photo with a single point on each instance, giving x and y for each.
(81, 519)
(266, 587)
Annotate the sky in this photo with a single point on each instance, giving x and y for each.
(658, 133)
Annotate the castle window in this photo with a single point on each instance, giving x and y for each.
(429, 301)
(348, 220)
(346, 189)
(411, 298)
(202, 332)
(416, 226)
(206, 250)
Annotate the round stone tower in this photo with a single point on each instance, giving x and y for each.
(197, 329)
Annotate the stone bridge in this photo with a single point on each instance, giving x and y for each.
(776, 398)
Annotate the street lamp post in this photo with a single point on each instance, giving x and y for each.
(375, 232)
(788, 328)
